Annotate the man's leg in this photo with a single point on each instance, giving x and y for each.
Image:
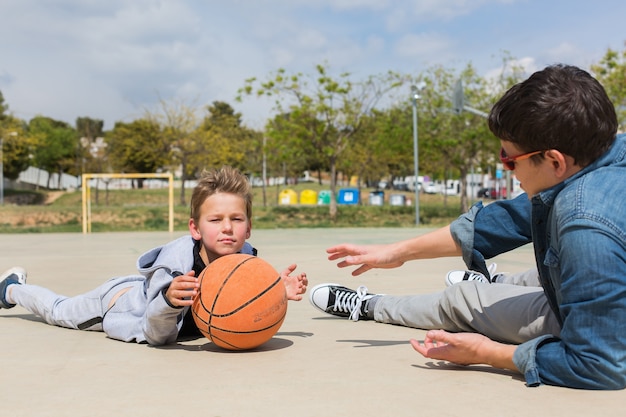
(506, 313)
(529, 278)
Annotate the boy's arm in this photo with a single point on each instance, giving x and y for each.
(487, 231)
(169, 296)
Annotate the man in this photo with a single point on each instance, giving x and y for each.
(558, 132)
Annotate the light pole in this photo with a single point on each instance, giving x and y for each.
(415, 90)
(2, 167)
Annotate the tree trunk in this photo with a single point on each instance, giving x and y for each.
(182, 184)
(333, 190)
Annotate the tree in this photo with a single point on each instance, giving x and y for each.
(453, 141)
(288, 146)
(611, 72)
(55, 145)
(137, 147)
(387, 146)
(330, 110)
(89, 158)
(458, 143)
(16, 143)
(381, 147)
(179, 126)
(225, 141)
(4, 108)
(16, 147)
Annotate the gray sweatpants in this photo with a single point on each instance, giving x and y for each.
(83, 312)
(504, 312)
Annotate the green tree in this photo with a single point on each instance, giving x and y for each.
(180, 126)
(16, 143)
(388, 145)
(55, 144)
(288, 145)
(137, 147)
(331, 109)
(16, 147)
(4, 108)
(611, 72)
(379, 148)
(90, 152)
(455, 144)
(225, 141)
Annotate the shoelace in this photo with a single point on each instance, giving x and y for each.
(477, 276)
(474, 276)
(350, 301)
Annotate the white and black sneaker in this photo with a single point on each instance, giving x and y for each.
(340, 301)
(15, 275)
(454, 277)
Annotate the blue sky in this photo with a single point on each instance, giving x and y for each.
(114, 60)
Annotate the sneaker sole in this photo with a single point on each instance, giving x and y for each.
(18, 271)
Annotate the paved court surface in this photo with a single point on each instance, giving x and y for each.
(316, 365)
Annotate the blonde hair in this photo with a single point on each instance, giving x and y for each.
(224, 180)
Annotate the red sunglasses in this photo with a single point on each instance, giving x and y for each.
(509, 161)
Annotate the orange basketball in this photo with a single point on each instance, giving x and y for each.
(241, 303)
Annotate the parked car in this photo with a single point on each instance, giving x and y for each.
(432, 188)
(491, 193)
(400, 184)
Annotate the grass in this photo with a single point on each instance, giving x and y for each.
(147, 210)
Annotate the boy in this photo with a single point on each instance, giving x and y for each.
(154, 307)
(558, 132)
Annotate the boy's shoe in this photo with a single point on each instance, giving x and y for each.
(15, 275)
(454, 277)
(340, 301)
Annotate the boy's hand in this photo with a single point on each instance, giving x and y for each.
(366, 257)
(295, 285)
(465, 349)
(183, 290)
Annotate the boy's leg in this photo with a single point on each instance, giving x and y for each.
(506, 313)
(529, 278)
(83, 312)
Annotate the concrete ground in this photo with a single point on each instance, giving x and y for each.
(316, 365)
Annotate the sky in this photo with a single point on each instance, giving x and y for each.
(115, 60)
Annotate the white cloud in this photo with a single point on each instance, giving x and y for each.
(113, 59)
(422, 45)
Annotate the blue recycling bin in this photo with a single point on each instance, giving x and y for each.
(348, 196)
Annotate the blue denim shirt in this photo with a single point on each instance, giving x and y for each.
(578, 230)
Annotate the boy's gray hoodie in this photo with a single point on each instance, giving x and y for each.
(143, 314)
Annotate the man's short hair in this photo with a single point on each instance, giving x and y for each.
(561, 107)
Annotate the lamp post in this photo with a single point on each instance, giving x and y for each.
(415, 90)
(2, 167)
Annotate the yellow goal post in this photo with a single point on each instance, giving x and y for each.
(86, 194)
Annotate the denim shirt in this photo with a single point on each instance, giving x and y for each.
(578, 230)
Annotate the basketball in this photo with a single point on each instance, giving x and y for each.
(241, 302)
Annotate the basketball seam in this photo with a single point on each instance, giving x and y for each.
(251, 331)
(259, 295)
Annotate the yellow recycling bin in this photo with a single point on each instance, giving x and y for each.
(287, 197)
(308, 197)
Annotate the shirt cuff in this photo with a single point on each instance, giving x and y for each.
(462, 230)
(524, 359)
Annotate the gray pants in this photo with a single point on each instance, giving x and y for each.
(83, 312)
(504, 312)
